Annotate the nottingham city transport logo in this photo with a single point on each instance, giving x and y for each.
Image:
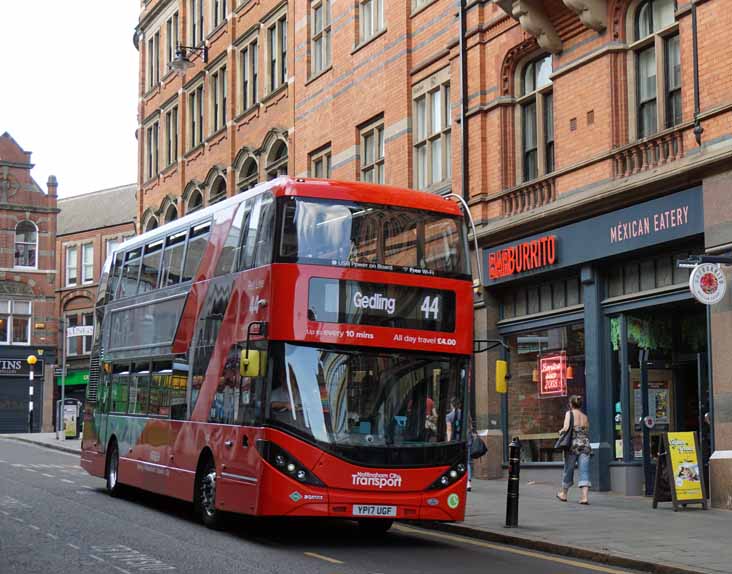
(377, 479)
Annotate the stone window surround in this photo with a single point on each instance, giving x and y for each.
(519, 99)
(244, 182)
(174, 136)
(658, 39)
(15, 242)
(218, 73)
(192, 139)
(119, 236)
(11, 301)
(246, 43)
(80, 314)
(152, 154)
(323, 35)
(378, 20)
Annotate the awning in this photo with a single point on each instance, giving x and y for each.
(74, 378)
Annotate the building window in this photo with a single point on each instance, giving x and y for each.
(417, 4)
(72, 342)
(536, 108)
(151, 223)
(153, 60)
(72, 264)
(15, 322)
(171, 136)
(277, 160)
(218, 99)
(433, 122)
(249, 64)
(152, 158)
(195, 13)
(219, 12)
(87, 263)
(535, 414)
(195, 202)
(171, 38)
(195, 117)
(218, 190)
(26, 244)
(370, 18)
(248, 174)
(319, 35)
(277, 53)
(657, 54)
(320, 163)
(86, 340)
(372, 152)
(112, 245)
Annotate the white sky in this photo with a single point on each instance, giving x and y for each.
(68, 89)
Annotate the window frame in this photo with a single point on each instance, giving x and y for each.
(537, 96)
(196, 22)
(75, 267)
(26, 243)
(218, 13)
(658, 39)
(152, 148)
(274, 168)
(275, 30)
(172, 38)
(249, 73)
(172, 133)
(247, 181)
(153, 60)
(375, 129)
(10, 313)
(195, 112)
(375, 10)
(320, 40)
(84, 279)
(218, 98)
(321, 159)
(424, 137)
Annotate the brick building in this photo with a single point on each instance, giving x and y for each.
(596, 128)
(90, 227)
(27, 273)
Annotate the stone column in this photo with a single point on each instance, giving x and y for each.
(718, 239)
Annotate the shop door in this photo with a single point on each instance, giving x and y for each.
(14, 413)
(656, 416)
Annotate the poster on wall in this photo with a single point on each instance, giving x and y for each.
(679, 474)
(553, 375)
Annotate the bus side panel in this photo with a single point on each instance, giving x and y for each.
(239, 480)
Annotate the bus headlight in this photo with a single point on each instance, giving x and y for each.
(449, 477)
(287, 464)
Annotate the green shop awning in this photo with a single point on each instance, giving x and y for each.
(74, 378)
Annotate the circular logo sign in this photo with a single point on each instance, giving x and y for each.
(453, 501)
(707, 283)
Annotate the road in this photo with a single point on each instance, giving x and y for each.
(56, 518)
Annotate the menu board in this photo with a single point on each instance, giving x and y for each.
(679, 472)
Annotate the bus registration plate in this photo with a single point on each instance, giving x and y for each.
(374, 510)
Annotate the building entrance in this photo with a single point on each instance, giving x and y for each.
(661, 382)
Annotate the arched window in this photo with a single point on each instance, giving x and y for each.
(277, 160)
(657, 64)
(536, 103)
(171, 214)
(151, 223)
(248, 174)
(218, 190)
(195, 201)
(26, 244)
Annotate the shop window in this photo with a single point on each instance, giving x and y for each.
(536, 409)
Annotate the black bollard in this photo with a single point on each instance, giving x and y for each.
(514, 469)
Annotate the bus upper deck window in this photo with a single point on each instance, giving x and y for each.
(197, 244)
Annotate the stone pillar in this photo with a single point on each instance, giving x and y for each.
(718, 239)
(597, 400)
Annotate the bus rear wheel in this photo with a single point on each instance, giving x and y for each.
(206, 496)
(375, 526)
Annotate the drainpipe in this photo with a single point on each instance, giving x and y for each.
(463, 106)
(698, 130)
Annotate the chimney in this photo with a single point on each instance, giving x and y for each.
(52, 185)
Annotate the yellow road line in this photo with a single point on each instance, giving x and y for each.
(503, 548)
(321, 557)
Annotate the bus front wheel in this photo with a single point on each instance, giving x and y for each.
(206, 496)
(375, 526)
(113, 486)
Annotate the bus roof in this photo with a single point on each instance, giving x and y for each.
(315, 188)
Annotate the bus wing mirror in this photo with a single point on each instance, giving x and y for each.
(501, 376)
(252, 363)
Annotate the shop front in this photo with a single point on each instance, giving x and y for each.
(599, 308)
(20, 407)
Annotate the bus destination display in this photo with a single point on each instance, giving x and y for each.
(394, 306)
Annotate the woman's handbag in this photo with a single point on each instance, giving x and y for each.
(564, 442)
(478, 447)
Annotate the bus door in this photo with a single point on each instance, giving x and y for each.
(241, 402)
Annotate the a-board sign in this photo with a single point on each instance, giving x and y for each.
(680, 471)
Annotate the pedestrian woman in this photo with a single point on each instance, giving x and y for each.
(579, 450)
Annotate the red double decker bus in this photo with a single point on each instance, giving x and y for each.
(301, 349)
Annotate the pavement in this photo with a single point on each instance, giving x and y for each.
(617, 530)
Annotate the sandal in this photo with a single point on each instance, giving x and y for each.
(560, 498)
(585, 502)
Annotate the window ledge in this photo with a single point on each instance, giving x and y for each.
(322, 72)
(422, 8)
(170, 168)
(215, 135)
(271, 95)
(214, 34)
(439, 187)
(153, 91)
(367, 41)
(25, 268)
(248, 112)
(150, 181)
(193, 150)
